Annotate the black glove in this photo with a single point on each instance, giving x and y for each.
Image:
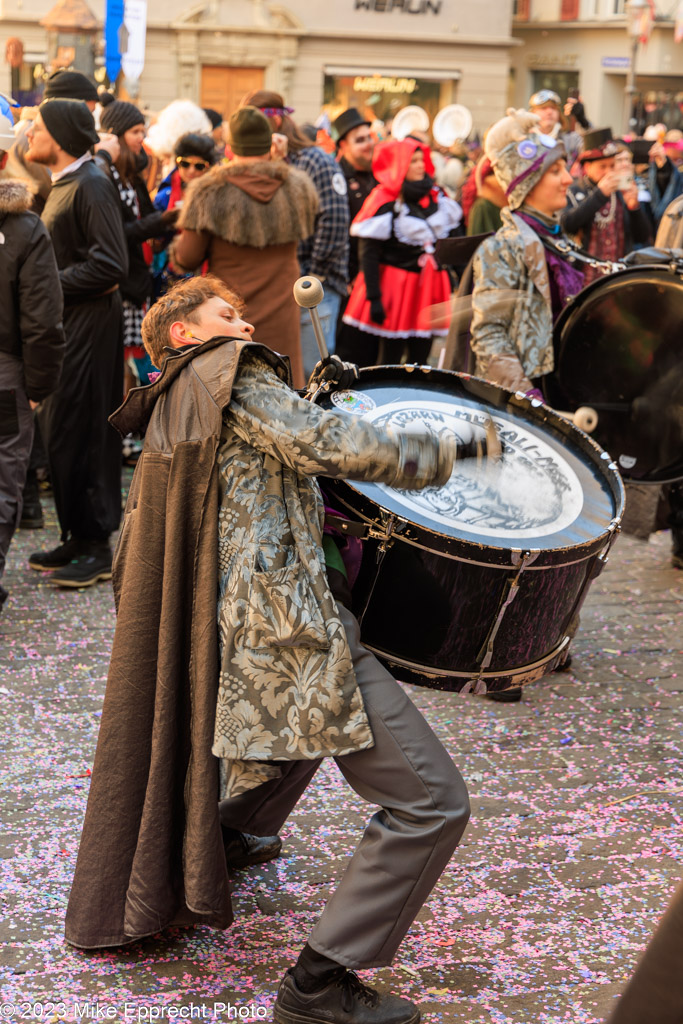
(480, 446)
(476, 448)
(169, 217)
(377, 311)
(332, 369)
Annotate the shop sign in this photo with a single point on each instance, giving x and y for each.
(377, 83)
(407, 6)
(552, 60)
(616, 62)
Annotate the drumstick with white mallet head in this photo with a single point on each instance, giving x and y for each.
(309, 293)
(585, 418)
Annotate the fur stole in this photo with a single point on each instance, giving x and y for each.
(215, 204)
(15, 196)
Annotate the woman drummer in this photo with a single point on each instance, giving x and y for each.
(520, 286)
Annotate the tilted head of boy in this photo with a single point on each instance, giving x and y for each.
(191, 312)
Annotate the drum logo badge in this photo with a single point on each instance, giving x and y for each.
(531, 492)
(354, 402)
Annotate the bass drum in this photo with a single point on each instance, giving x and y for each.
(476, 585)
(619, 350)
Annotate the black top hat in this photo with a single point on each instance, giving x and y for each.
(349, 119)
(598, 142)
(641, 150)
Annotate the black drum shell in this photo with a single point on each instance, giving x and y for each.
(619, 349)
(428, 612)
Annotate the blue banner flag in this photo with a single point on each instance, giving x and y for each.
(112, 33)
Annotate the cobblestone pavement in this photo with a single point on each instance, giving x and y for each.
(574, 846)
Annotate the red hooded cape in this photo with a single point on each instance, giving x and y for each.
(390, 165)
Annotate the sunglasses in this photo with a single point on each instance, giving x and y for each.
(199, 165)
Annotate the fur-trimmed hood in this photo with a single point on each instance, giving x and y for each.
(259, 204)
(15, 196)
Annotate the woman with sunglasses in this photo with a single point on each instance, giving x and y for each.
(194, 155)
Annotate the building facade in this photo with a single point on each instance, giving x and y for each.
(379, 55)
(584, 44)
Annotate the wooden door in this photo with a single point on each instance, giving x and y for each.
(224, 87)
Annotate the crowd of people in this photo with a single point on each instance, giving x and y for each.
(257, 201)
(165, 256)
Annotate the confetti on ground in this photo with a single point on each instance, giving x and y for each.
(574, 846)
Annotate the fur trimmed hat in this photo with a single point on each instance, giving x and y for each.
(519, 154)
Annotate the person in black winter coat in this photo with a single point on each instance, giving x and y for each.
(84, 451)
(141, 221)
(31, 337)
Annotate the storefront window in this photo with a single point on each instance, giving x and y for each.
(382, 96)
(559, 81)
(657, 106)
(27, 84)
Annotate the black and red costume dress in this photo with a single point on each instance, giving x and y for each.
(398, 227)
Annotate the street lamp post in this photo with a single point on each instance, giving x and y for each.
(638, 14)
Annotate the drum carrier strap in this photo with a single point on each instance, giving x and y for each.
(570, 251)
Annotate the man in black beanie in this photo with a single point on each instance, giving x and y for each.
(71, 85)
(84, 452)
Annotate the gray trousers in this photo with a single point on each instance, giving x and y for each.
(16, 437)
(407, 844)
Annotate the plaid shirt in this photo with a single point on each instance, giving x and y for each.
(326, 253)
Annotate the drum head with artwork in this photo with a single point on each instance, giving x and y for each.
(619, 350)
(544, 492)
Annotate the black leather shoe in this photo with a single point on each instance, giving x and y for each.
(243, 850)
(677, 548)
(46, 561)
(91, 565)
(32, 516)
(346, 999)
(509, 696)
(31, 509)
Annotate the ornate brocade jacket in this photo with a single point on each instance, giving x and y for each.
(287, 689)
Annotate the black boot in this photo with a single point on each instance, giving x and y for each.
(344, 999)
(91, 564)
(31, 511)
(242, 850)
(677, 548)
(4, 594)
(46, 561)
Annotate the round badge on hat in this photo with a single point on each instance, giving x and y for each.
(527, 149)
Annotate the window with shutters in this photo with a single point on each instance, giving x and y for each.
(569, 10)
(521, 10)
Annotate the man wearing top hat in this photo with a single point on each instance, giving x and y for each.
(607, 221)
(355, 146)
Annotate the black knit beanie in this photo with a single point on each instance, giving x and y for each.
(70, 124)
(250, 133)
(70, 85)
(214, 117)
(118, 117)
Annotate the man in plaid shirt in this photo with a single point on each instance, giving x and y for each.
(326, 253)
